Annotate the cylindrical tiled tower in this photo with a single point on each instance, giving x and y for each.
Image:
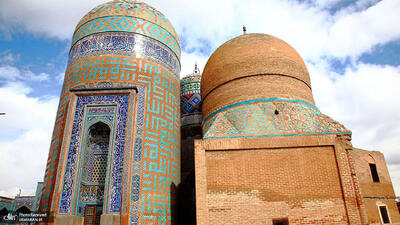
(116, 143)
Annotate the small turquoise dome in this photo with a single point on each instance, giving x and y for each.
(190, 92)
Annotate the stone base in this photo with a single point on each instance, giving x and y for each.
(108, 219)
(68, 220)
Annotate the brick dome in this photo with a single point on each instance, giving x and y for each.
(253, 66)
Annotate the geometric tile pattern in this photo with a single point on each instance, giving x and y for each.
(130, 9)
(123, 43)
(74, 161)
(13, 205)
(7, 203)
(94, 163)
(190, 93)
(190, 83)
(127, 24)
(269, 117)
(157, 152)
(27, 201)
(190, 103)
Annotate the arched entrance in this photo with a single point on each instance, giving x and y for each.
(24, 210)
(3, 213)
(94, 172)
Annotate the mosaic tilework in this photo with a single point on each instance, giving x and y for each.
(131, 9)
(38, 195)
(190, 94)
(71, 176)
(92, 178)
(190, 84)
(127, 24)
(190, 103)
(126, 44)
(136, 168)
(148, 60)
(156, 155)
(6, 203)
(269, 117)
(27, 201)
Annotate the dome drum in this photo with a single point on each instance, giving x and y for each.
(252, 55)
(256, 87)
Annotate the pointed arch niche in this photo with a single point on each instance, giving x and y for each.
(95, 163)
(103, 127)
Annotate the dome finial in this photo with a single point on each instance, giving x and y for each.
(196, 69)
(244, 29)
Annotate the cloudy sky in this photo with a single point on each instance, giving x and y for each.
(351, 48)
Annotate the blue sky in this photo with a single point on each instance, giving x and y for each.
(351, 48)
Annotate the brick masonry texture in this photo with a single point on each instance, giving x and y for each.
(255, 87)
(252, 54)
(375, 194)
(275, 192)
(307, 179)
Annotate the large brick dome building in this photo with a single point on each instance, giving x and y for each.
(269, 156)
(257, 85)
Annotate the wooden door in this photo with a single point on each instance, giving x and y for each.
(92, 214)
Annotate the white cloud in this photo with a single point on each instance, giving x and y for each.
(6, 57)
(395, 176)
(189, 60)
(365, 99)
(25, 133)
(310, 28)
(60, 78)
(11, 73)
(356, 33)
(10, 192)
(51, 18)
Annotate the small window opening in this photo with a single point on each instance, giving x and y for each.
(280, 221)
(374, 172)
(384, 214)
(276, 112)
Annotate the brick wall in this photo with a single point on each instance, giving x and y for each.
(375, 194)
(254, 180)
(299, 183)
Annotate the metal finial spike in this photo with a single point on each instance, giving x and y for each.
(196, 69)
(244, 29)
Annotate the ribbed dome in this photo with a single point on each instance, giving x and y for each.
(253, 66)
(128, 16)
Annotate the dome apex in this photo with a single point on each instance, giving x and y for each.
(253, 66)
(128, 16)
